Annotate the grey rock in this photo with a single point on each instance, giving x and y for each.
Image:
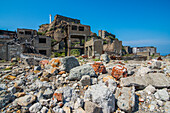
(94, 81)
(58, 110)
(158, 80)
(102, 96)
(37, 68)
(105, 58)
(126, 101)
(26, 100)
(85, 80)
(150, 89)
(69, 93)
(78, 103)
(167, 107)
(77, 72)
(44, 110)
(162, 94)
(142, 71)
(48, 93)
(67, 63)
(12, 90)
(156, 65)
(2, 87)
(91, 107)
(35, 108)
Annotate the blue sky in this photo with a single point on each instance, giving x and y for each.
(135, 22)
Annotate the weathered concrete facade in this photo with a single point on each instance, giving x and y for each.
(42, 45)
(103, 34)
(113, 47)
(9, 50)
(94, 46)
(127, 49)
(67, 30)
(151, 50)
(39, 43)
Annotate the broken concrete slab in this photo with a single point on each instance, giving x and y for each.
(158, 80)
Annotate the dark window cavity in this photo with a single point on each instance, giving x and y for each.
(42, 40)
(43, 52)
(81, 28)
(74, 27)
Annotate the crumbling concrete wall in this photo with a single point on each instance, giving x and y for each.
(42, 43)
(115, 47)
(94, 46)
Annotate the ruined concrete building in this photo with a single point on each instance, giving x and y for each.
(94, 46)
(67, 30)
(34, 43)
(8, 48)
(128, 49)
(150, 50)
(103, 34)
(12, 44)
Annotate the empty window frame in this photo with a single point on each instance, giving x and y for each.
(81, 28)
(43, 52)
(21, 32)
(74, 27)
(27, 32)
(42, 40)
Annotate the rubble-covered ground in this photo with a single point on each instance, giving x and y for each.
(79, 85)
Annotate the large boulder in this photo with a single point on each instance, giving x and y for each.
(77, 72)
(126, 100)
(67, 63)
(158, 80)
(105, 58)
(101, 95)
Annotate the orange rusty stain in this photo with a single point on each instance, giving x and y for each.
(99, 67)
(119, 71)
(61, 72)
(58, 96)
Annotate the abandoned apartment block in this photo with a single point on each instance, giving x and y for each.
(94, 46)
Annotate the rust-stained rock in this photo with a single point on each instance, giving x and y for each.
(99, 67)
(119, 71)
(21, 94)
(44, 62)
(61, 72)
(58, 96)
(55, 62)
(44, 79)
(107, 78)
(10, 77)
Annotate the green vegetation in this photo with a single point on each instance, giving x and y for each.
(2, 61)
(56, 54)
(12, 64)
(104, 42)
(41, 33)
(96, 59)
(53, 42)
(75, 52)
(111, 37)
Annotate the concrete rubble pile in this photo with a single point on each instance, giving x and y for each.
(64, 85)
